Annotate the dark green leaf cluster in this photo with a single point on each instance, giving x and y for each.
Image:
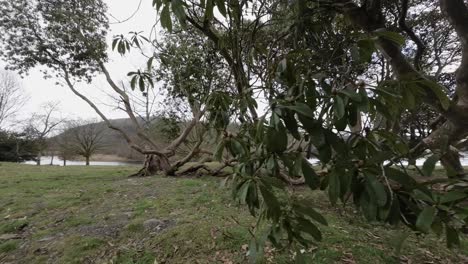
(17, 147)
(318, 75)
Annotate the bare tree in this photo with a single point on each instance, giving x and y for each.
(42, 125)
(86, 138)
(61, 144)
(12, 96)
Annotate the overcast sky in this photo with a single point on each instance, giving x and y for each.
(42, 91)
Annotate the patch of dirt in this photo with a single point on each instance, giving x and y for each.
(156, 225)
(112, 230)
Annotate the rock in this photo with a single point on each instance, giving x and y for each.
(46, 239)
(154, 225)
(9, 236)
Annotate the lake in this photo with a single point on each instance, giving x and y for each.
(419, 162)
(46, 161)
(59, 162)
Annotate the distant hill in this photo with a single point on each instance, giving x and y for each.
(116, 144)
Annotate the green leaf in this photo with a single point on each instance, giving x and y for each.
(166, 21)
(149, 63)
(379, 191)
(274, 209)
(369, 207)
(366, 49)
(219, 151)
(221, 7)
(307, 210)
(209, 10)
(178, 9)
(242, 191)
(438, 90)
(150, 81)
(308, 227)
(341, 124)
(114, 43)
(339, 107)
(236, 148)
(302, 109)
(157, 4)
(133, 82)
(311, 178)
(291, 124)
(420, 195)
(277, 139)
(453, 240)
(452, 196)
(400, 177)
(272, 181)
(141, 84)
(425, 219)
(392, 36)
(352, 95)
(429, 164)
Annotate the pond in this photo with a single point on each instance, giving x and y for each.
(59, 162)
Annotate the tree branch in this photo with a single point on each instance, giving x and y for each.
(420, 45)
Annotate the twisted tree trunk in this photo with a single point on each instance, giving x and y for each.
(153, 164)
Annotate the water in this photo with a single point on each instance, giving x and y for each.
(46, 161)
(419, 162)
(58, 162)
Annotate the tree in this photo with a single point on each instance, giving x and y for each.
(85, 138)
(62, 145)
(319, 83)
(69, 38)
(314, 64)
(40, 126)
(17, 147)
(12, 97)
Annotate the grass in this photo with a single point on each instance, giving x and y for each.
(8, 246)
(99, 215)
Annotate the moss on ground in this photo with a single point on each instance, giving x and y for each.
(97, 215)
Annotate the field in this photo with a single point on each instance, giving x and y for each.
(80, 214)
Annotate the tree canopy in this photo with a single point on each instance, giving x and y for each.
(335, 78)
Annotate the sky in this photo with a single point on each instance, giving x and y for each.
(42, 91)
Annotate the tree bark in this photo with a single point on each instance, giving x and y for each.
(153, 165)
(38, 161)
(64, 162)
(87, 160)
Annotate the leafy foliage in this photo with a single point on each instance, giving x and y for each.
(334, 81)
(310, 97)
(65, 35)
(17, 147)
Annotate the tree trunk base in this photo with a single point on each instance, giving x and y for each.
(153, 165)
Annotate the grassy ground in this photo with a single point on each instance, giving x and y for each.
(98, 215)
